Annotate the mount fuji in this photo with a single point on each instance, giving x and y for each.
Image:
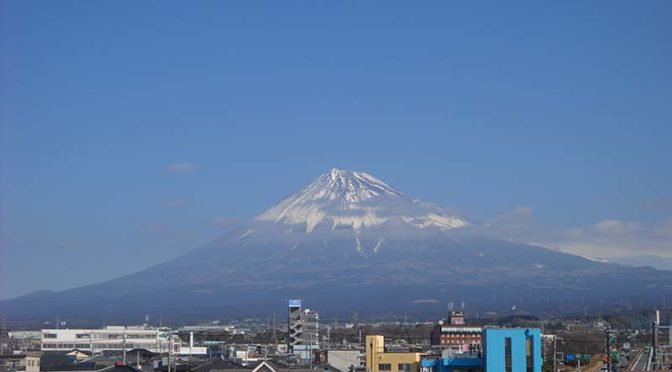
(349, 243)
(357, 200)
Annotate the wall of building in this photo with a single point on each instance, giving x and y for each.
(495, 344)
(452, 364)
(493, 357)
(377, 356)
(28, 362)
(110, 338)
(343, 359)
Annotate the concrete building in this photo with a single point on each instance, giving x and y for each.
(28, 362)
(379, 359)
(303, 328)
(455, 334)
(504, 350)
(512, 350)
(156, 340)
(294, 326)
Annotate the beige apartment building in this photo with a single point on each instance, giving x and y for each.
(378, 359)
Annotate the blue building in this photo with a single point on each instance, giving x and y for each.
(459, 363)
(504, 350)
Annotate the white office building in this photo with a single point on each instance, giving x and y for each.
(157, 340)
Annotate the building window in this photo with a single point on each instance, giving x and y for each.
(529, 351)
(405, 367)
(48, 335)
(507, 354)
(384, 367)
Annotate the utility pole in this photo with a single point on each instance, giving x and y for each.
(555, 348)
(170, 347)
(654, 340)
(191, 346)
(607, 348)
(124, 346)
(275, 338)
(555, 352)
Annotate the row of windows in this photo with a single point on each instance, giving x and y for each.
(117, 336)
(528, 354)
(112, 336)
(402, 367)
(33, 363)
(129, 345)
(65, 346)
(453, 335)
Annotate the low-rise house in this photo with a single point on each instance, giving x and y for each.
(27, 361)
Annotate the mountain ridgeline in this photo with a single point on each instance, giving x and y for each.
(349, 243)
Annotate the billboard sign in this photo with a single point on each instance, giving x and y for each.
(294, 303)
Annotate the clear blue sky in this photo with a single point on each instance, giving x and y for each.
(563, 107)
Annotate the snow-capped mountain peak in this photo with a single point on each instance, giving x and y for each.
(352, 187)
(356, 200)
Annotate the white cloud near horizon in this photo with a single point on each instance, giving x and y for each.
(603, 239)
(181, 167)
(616, 238)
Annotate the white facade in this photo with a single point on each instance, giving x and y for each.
(156, 340)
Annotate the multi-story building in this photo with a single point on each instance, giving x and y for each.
(311, 326)
(157, 340)
(294, 325)
(381, 359)
(504, 350)
(455, 334)
(303, 330)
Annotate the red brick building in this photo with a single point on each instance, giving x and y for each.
(456, 334)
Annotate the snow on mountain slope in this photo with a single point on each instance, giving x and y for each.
(343, 198)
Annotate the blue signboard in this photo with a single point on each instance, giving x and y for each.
(294, 303)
